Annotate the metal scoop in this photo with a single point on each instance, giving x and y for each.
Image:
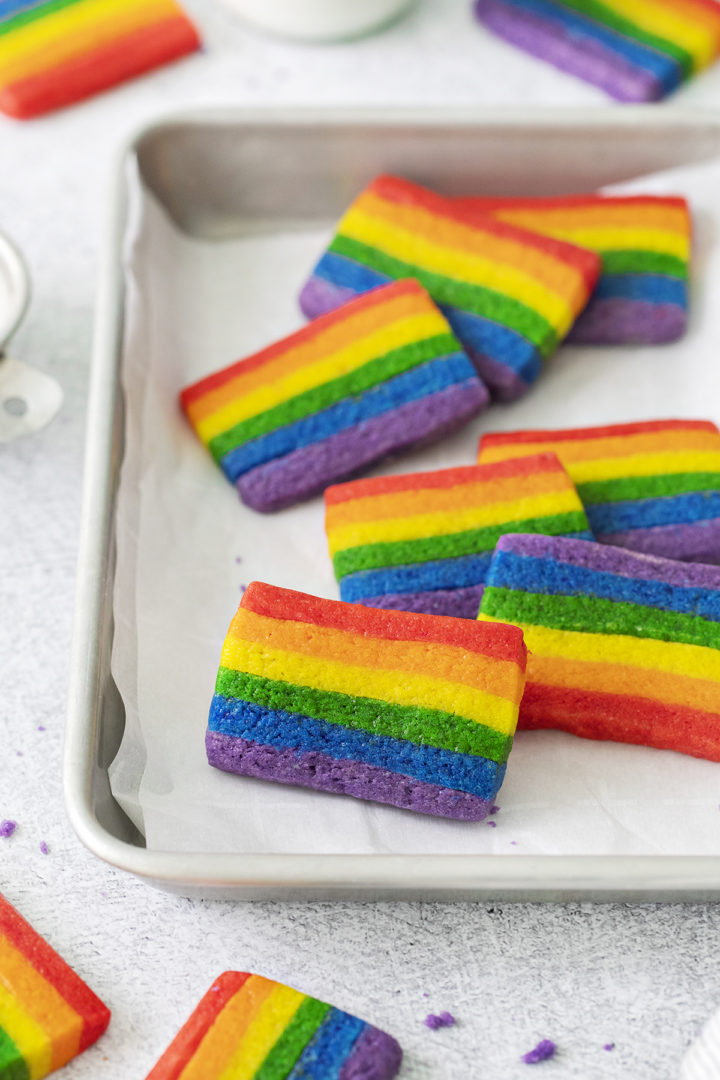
(29, 398)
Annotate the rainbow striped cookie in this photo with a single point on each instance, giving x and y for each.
(47, 1013)
(636, 50)
(56, 52)
(378, 376)
(510, 295)
(423, 542)
(652, 486)
(644, 242)
(253, 1028)
(621, 646)
(417, 711)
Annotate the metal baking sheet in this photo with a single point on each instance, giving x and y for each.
(224, 175)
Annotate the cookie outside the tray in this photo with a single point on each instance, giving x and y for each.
(48, 1014)
(423, 541)
(417, 711)
(252, 1027)
(652, 486)
(635, 50)
(622, 646)
(56, 52)
(510, 295)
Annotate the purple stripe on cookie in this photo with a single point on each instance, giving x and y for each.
(697, 542)
(318, 296)
(309, 470)
(624, 322)
(613, 560)
(325, 773)
(588, 60)
(460, 603)
(375, 1056)
(506, 384)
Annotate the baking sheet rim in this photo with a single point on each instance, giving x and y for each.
(450, 877)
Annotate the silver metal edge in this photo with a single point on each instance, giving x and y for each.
(279, 876)
(17, 267)
(96, 524)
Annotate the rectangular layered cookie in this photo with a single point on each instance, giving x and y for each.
(381, 374)
(56, 52)
(621, 646)
(635, 50)
(423, 541)
(652, 486)
(510, 295)
(413, 710)
(644, 242)
(252, 1027)
(48, 1015)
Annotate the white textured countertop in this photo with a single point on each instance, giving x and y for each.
(643, 978)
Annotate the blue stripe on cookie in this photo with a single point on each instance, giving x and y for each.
(273, 727)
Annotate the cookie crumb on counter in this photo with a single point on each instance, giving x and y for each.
(445, 1019)
(542, 1052)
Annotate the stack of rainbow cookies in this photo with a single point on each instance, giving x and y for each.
(47, 1013)
(380, 375)
(417, 711)
(622, 646)
(651, 486)
(423, 541)
(644, 242)
(510, 295)
(56, 52)
(636, 50)
(252, 1027)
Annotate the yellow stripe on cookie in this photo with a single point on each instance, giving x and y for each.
(263, 1032)
(360, 352)
(402, 688)
(695, 661)
(441, 524)
(30, 1037)
(459, 265)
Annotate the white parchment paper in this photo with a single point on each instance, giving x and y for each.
(187, 546)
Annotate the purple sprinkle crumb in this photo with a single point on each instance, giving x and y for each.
(425, 994)
(495, 809)
(243, 588)
(544, 1050)
(41, 727)
(513, 841)
(492, 824)
(7, 828)
(445, 1019)
(609, 1046)
(44, 848)
(238, 558)
(18, 753)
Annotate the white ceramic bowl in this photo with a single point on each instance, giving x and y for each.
(319, 20)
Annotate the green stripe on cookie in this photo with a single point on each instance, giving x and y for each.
(592, 9)
(293, 1040)
(630, 488)
(322, 397)
(593, 615)
(644, 262)
(486, 303)
(427, 727)
(470, 542)
(12, 1063)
